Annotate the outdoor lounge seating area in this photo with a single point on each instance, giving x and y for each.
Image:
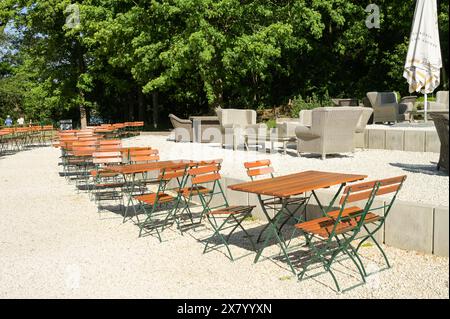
(321, 131)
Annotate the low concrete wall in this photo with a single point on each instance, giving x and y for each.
(409, 225)
(400, 139)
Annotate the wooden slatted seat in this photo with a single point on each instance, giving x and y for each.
(324, 225)
(103, 173)
(150, 199)
(109, 185)
(370, 217)
(204, 168)
(231, 210)
(193, 191)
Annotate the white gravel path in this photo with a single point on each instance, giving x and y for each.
(53, 244)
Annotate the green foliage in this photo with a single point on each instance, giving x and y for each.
(312, 102)
(271, 123)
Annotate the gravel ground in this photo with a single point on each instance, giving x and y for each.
(54, 244)
(424, 183)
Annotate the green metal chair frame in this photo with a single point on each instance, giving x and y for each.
(222, 216)
(332, 245)
(150, 203)
(81, 164)
(263, 168)
(189, 192)
(336, 232)
(106, 185)
(386, 186)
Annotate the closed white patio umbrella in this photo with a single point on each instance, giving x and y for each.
(424, 61)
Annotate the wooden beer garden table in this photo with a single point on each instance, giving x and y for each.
(284, 187)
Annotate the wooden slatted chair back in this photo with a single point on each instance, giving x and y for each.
(83, 148)
(106, 158)
(126, 151)
(86, 134)
(173, 172)
(118, 126)
(259, 168)
(144, 156)
(217, 161)
(205, 174)
(137, 124)
(362, 191)
(67, 142)
(84, 151)
(67, 132)
(92, 143)
(115, 142)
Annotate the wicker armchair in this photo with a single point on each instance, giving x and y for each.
(441, 102)
(235, 124)
(332, 130)
(440, 120)
(182, 129)
(386, 107)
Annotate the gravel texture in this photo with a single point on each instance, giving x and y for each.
(54, 244)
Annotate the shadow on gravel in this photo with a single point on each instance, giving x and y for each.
(419, 168)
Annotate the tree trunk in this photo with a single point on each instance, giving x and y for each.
(141, 108)
(130, 116)
(155, 109)
(218, 90)
(83, 112)
(83, 116)
(78, 55)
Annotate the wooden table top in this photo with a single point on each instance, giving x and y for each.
(103, 130)
(204, 118)
(156, 166)
(295, 184)
(84, 153)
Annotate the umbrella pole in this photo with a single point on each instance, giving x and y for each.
(425, 108)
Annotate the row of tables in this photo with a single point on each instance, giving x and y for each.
(281, 187)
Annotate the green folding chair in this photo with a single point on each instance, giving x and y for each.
(335, 232)
(155, 205)
(387, 186)
(106, 185)
(223, 218)
(189, 192)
